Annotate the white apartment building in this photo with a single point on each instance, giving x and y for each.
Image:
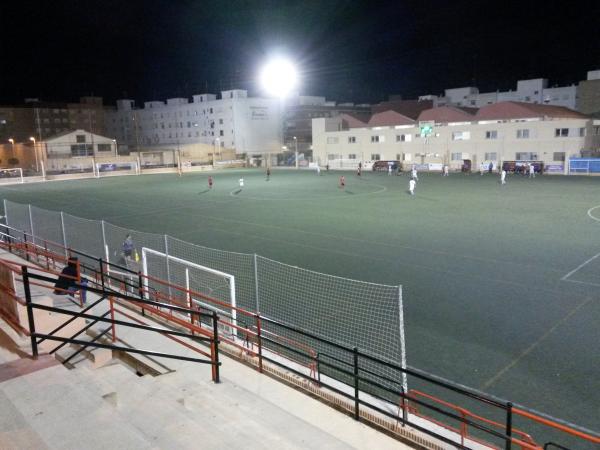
(502, 132)
(534, 91)
(235, 121)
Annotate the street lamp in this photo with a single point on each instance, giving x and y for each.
(37, 164)
(116, 147)
(296, 144)
(12, 141)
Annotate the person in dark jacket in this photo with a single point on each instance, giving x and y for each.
(67, 280)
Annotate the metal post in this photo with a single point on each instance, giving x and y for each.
(104, 246)
(319, 367)
(215, 318)
(256, 283)
(101, 263)
(26, 246)
(168, 268)
(509, 407)
(31, 225)
(62, 224)
(259, 342)
(30, 318)
(141, 291)
(402, 340)
(356, 405)
(111, 301)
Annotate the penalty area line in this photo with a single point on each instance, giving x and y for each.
(579, 267)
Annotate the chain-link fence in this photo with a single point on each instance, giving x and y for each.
(355, 313)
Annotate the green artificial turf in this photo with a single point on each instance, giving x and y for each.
(482, 265)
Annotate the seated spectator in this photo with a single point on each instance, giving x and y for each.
(67, 280)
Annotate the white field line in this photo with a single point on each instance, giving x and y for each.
(579, 267)
(588, 283)
(589, 213)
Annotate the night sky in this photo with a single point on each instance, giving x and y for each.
(359, 51)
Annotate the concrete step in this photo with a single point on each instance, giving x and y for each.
(65, 415)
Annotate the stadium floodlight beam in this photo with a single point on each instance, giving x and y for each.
(279, 77)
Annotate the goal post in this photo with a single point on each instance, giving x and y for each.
(197, 279)
(11, 175)
(109, 168)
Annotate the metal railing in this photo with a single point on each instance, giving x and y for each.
(367, 390)
(31, 277)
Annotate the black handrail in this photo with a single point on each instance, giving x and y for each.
(83, 347)
(87, 327)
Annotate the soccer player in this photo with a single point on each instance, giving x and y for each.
(358, 171)
(342, 181)
(413, 173)
(318, 170)
(531, 171)
(210, 182)
(389, 169)
(411, 186)
(503, 177)
(268, 173)
(241, 183)
(445, 172)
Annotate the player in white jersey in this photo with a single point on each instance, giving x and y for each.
(503, 177)
(411, 186)
(531, 171)
(241, 183)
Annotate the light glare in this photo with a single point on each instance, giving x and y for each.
(279, 77)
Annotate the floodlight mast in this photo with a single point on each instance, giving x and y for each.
(279, 78)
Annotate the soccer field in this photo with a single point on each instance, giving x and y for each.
(501, 283)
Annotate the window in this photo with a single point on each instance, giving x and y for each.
(491, 134)
(582, 132)
(80, 138)
(403, 137)
(461, 135)
(220, 121)
(398, 156)
(597, 130)
(526, 156)
(375, 156)
(522, 134)
(456, 156)
(374, 139)
(558, 156)
(332, 140)
(491, 156)
(82, 150)
(561, 132)
(352, 156)
(104, 147)
(351, 139)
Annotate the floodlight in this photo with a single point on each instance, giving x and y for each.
(279, 77)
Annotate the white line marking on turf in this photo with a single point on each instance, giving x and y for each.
(529, 349)
(383, 189)
(589, 283)
(589, 213)
(579, 267)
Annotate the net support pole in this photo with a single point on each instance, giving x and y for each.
(43, 170)
(6, 212)
(168, 268)
(31, 225)
(64, 234)
(402, 340)
(256, 283)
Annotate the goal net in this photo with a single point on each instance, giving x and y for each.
(343, 164)
(116, 168)
(205, 287)
(11, 175)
